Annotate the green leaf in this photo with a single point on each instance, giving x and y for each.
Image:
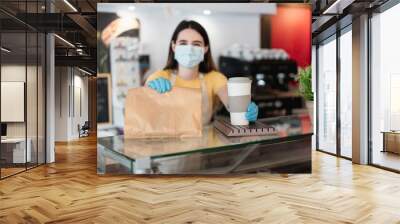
(305, 83)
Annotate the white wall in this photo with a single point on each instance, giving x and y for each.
(15, 72)
(224, 29)
(80, 83)
(33, 126)
(68, 82)
(61, 103)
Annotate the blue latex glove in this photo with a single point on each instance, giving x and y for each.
(161, 85)
(252, 112)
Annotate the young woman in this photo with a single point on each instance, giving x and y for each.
(190, 65)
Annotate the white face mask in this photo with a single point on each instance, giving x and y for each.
(189, 56)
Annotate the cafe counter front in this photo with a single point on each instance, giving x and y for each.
(286, 150)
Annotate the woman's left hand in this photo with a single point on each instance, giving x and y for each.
(252, 112)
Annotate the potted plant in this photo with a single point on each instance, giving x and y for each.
(305, 87)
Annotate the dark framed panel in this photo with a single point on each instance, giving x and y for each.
(332, 33)
(340, 30)
(342, 119)
(14, 145)
(319, 61)
(25, 56)
(375, 158)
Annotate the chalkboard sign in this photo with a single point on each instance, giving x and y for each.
(104, 113)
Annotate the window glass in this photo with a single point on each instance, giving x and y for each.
(385, 88)
(15, 150)
(327, 96)
(346, 94)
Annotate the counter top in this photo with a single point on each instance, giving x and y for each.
(288, 128)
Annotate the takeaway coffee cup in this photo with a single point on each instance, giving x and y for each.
(239, 96)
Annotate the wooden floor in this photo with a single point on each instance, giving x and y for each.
(10, 171)
(70, 191)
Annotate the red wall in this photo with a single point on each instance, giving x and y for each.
(291, 31)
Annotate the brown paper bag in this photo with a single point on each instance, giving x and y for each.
(149, 114)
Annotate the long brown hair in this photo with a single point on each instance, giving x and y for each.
(207, 65)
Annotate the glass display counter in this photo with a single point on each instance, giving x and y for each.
(286, 151)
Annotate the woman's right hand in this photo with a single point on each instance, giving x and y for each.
(161, 85)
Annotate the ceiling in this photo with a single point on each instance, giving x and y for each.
(332, 15)
(23, 48)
